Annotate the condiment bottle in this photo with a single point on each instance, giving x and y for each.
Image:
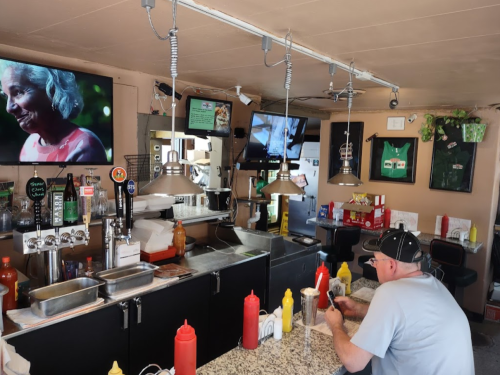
(344, 274)
(185, 350)
(330, 209)
(70, 211)
(180, 239)
(387, 218)
(251, 310)
(444, 225)
(472, 234)
(115, 370)
(8, 277)
(323, 286)
(287, 311)
(89, 271)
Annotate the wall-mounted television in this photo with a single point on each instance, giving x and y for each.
(266, 136)
(54, 116)
(208, 117)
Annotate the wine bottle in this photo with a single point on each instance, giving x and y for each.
(70, 213)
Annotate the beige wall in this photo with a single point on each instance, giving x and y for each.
(478, 206)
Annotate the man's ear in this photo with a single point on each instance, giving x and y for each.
(393, 265)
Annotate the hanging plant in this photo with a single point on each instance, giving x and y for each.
(429, 127)
(436, 125)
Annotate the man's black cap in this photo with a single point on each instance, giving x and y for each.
(397, 244)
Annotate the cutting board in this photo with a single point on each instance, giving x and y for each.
(173, 270)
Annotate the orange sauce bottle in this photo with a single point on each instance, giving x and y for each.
(8, 277)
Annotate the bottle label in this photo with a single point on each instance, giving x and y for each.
(17, 290)
(71, 211)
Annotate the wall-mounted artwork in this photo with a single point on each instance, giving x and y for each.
(338, 138)
(393, 159)
(452, 161)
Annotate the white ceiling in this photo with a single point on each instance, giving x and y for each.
(441, 53)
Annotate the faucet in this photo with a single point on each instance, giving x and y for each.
(251, 182)
(255, 218)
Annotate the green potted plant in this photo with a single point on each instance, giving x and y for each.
(430, 127)
(472, 128)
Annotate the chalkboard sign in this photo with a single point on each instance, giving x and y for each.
(36, 189)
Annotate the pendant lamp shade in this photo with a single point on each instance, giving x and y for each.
(345, 176)
(283, 185)
(172, 180)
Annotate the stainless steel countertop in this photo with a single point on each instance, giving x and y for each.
(204, 259)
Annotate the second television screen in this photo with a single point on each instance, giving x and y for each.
(267, 133)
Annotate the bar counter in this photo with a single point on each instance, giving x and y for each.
(301, 351)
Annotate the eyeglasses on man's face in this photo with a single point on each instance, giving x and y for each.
(373, 261)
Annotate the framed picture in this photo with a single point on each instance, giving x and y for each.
(452, 161)
(393, 159)
(338, 138)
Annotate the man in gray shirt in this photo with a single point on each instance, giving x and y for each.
(413, 324)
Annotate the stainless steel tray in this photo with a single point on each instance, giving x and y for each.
(126, 277)
(59, 297)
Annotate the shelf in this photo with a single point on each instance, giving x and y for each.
(194, 214)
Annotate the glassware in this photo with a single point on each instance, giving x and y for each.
(96, 183)
(46, 214)
(102, 202)
(25, 217)
(5, 217)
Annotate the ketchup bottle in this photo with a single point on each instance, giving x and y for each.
(251, 321)
(444, 225)
(323, 286)
(387, 218)
(185, 350)
(8, 277)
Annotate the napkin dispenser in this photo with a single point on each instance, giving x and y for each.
(127, 254)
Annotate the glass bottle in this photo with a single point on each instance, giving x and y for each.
(8, 277)
(45, 213)
(70, 213)
(5, 218)
(25, 217)
(89, 271)
(180, 239)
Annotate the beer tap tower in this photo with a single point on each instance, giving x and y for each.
(112, 227)
(47, 242)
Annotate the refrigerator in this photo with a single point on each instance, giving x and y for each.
(301, 208)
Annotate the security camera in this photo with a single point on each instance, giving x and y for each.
(245, 99)
(412, 118)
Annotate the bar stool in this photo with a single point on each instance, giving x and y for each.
(343, 239)
(452, 258)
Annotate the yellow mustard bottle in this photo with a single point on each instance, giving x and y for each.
(473, 233)
(115, 370)
(287, 311)
(344, 274)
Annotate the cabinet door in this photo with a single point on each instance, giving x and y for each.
(226, 305)
(87, 344)
(162, 313)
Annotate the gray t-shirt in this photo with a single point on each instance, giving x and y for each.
(415, 326)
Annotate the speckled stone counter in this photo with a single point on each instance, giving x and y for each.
(302, 351)
(424, 238)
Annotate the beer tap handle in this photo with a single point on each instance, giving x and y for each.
(129, 200)
(36, 190)
(118, 175)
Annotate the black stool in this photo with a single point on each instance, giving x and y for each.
(452, 258)
(369, 272)
(342, 241)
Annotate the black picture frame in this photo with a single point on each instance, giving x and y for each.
(338, 138)
(453, 161)
(409, 166)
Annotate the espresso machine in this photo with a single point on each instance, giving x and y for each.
(46, 242)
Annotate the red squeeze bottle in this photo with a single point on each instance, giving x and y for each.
(251, 321)
(330, 210)
(323, 286)
(387, 218)
(185, 350)
(8, 277)
(444, 225)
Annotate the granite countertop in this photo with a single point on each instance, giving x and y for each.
(424, 238)
(302, 351)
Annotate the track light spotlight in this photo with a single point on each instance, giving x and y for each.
(394, 102)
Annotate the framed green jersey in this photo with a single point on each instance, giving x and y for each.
(393, 159)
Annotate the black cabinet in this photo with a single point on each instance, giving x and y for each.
(87, 344)
(229, 287)
(162, 313)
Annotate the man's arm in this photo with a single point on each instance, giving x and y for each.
(352, 357)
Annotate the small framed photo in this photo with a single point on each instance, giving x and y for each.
(396, 123)
(393, 159)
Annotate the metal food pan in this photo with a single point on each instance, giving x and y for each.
(126, 277)
(59, 297)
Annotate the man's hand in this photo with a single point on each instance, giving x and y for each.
(350, 308)
(334, 318)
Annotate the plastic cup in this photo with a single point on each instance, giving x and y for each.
(309, 298)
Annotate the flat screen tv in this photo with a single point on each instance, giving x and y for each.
(208, 117)
(267, 133)
(54, 116)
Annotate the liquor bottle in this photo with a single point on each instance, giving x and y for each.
(8, 277)
(70, 213)
(251, 308)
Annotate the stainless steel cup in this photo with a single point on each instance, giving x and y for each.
(309, 307)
